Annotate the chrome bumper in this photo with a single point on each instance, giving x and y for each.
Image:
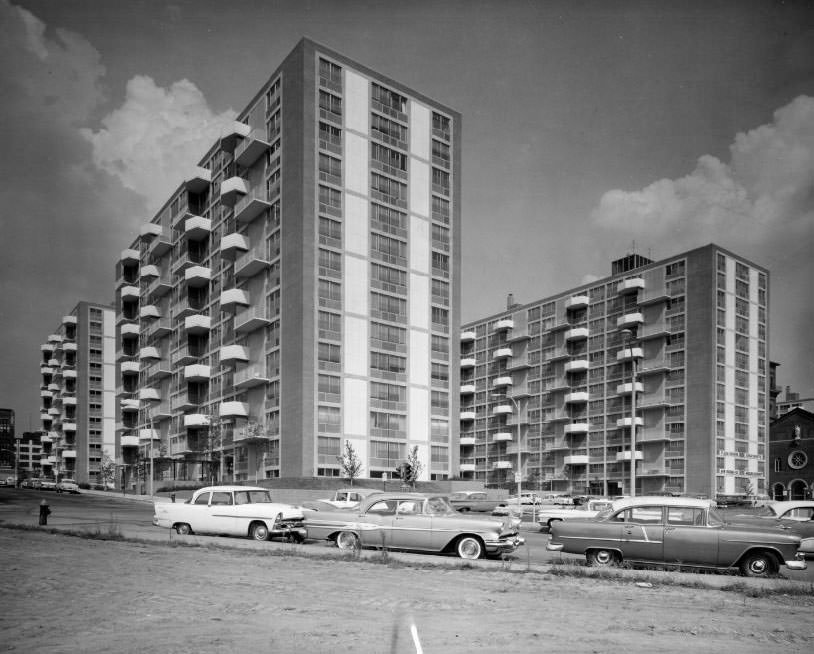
(504, 546)
(554, 547)
(797, 564)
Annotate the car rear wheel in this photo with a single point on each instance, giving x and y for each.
(259, 531)
(758, 564)
(602, 558)
(347, 540)
(469, 547)
(183, 529)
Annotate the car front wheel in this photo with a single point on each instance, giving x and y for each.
(259, 531)
(183, 529)
(469, 547)
(758, 564)
(347, 540)
(602, 558)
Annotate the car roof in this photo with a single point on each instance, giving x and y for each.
(392, 495)
(356, 489)
(785, 505)
(661, 500)
(228, 489)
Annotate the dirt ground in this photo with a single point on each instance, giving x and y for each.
(68, 594)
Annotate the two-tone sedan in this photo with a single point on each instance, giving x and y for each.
(676, 531)
(414, 521)
(795, 516)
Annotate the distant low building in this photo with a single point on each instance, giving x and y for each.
(791, 400)
(791, 453)
(6, 438)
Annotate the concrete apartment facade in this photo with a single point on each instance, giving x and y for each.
(78, 394)
(300, 289)
(676, 348)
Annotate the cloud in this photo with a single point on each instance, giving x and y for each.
(760, 205)
(155, 135)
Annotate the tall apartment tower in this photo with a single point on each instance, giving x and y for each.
(301, 289)
(78, 394)
(675, 348)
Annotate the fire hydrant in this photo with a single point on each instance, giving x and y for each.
(45, 511)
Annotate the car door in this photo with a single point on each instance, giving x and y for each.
(375, 525)
(643, 533)
(220, 514)
(688, 539)
(412, 528)
(799, 520)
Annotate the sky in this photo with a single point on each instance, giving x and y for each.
(590, 130)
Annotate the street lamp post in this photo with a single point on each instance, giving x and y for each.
(628, 337)
(152, 436)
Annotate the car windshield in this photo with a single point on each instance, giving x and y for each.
(438, 506)
(765, 512)
(714, 518)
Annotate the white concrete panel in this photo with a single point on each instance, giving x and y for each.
(354, 402)
(419, 302)
(419, 403)
(420, 118)
(356, 225)
(354, 346)
(424, 457)
(419, 187)
(356, 163)
(356, 284)
(419, 358)
(420, 245)
(360, 446)
(357, 102)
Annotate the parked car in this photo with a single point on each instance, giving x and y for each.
(233, 511)
(11, 481)
(793, 516)
(675, 531)
(67, 486)
(348, 498)
(549, 514)
(471, 500)
(414, 521)
(48, 484)
(36, 483)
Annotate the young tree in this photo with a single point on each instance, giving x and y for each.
(351, 465)
(414, 467)
(107, 470)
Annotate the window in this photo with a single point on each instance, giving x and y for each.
(388, 337)
(440, 292)
(381, 362)
(330, 200)
(388, 307)
(330, 325)
(330, 137)
(440, 125)
(330, 232)
(330, 71)
(440, 209)
(388, 249)
(440, 153)
(389, 425)
(393, 161)
(440, 237)
(440, 181)
(440, 264)
(328, 419)
(388, 99)
(388, 190)
(329, 388)
(330, 169)
(388, 220)
(330, 263)
(388, 129)
(388, 279)
(330, 105)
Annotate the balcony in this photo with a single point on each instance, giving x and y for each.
(159, 329)
(197, 228)
(197, 324)
(149, 311)
(251, 262)
(47, 347)
(628, 387)
(149, 231)
(502, 437)
(250, 147)
(502, 353)
(129, 330)
(628, 353)
(231, 189)
(130, 367)
(234, 410)
(69, 374)
(500, 382)
(149, 352)
(148, 434)
(129, 292)
(251, 205)
(69, 347)
(577, 365)
(196, 373)
(576, 333)
(128, 441)
(625, 456)
(184, 401)
(232, 134)
(466, 440)
(467, 389)
(129, 405)
(502, 410)
(130, 256)
(197, 276)
(198, 179)
(503, 324)
(233, 298)
(467, 415)
(68, 454)
(576, 428)
(232, 244)
(69, 320)
(467, 336)
(161, 411)
(577, 302)
(576, 460)
(468, 362)
(467, 467)
(625, 422)
(54, 338)
(196, 420)
(502, 465)
(248, 320)
(576, 397)
(250, 376)
(159, 246)
(631, 285)
(149, 395)
(230, 354)
(630, 320)
(68, 425)
(147, 271)
(158, 370)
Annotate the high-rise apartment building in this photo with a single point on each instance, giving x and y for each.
(674, 349)
(300, 289)
(7, 438)
(77, 394)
